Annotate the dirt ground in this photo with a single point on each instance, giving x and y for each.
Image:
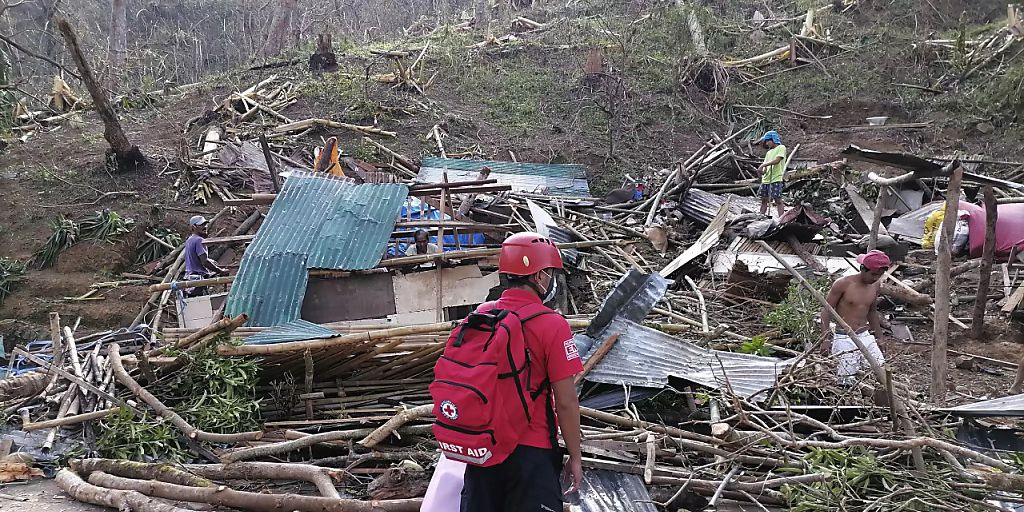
(41, 496)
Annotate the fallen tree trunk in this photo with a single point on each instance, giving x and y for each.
(126, 157)
(226, 497)
(320, 477)
(166, 412)
(139, 470)
(134, 501)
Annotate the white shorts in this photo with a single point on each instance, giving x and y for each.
(850, 357)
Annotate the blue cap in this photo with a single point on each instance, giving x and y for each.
(771, 135)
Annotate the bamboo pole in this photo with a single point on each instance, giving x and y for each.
(596, 358)
(69, 420)
(350, 339)
(985, 271)
(940, 334)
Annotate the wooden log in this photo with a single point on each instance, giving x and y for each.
(985, 269)
(74, 486)
(127, 157)
(130, 469)
(320, 477)
(165, 412)
(223, 496)
(398, 420)
(905, 294)
(253, 199)
(241, 231)
(425, 187)
(940, 334)
(599, 354)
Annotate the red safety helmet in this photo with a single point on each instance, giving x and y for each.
(527, 253)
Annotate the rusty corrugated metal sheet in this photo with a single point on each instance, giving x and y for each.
(316, 222)
(555, 179)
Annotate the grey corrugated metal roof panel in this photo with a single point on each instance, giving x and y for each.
(356, 230)
(296, 330)
(306, 228)
(609, 491)
(702, 205)
(558, 179)
(646, 357)
(632, 298)
(1005, 406)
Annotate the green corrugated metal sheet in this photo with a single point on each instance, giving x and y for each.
(315, 222)
(556, 179)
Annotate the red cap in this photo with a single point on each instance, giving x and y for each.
(874, 260)
(527, 253)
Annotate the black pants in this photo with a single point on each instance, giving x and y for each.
(526, 482)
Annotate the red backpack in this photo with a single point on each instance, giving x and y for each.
(482, 400)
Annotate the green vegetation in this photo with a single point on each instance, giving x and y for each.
(65, 234)
(861, 481)
(798, 312)
(105, 226)
(151, 250)
(11, 273)
(213, 393)
(758, 346)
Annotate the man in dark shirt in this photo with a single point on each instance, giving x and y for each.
(198, 264)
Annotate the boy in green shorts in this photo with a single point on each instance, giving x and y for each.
(773, 170)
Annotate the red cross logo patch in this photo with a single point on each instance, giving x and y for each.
(449, 410)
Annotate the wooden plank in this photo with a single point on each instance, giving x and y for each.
(708, 239)
(1014, 300)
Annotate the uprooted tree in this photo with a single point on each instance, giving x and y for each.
(122, 154)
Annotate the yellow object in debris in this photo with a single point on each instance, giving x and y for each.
(327, 159)
(931, 228)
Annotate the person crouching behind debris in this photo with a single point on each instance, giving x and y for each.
(198, 265)
(517, 466)
(772, 172)
(854, 297)
(422, 245)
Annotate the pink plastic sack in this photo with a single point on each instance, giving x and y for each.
(444, 494)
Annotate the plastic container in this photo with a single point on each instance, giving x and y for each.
(444, 494)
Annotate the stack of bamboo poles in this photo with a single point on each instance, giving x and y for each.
(79, 385)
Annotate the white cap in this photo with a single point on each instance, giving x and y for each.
(197, 220)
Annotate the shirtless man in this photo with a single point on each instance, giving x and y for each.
(853, 297)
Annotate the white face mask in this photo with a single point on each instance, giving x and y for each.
(552, 289)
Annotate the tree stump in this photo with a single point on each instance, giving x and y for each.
(324, 58)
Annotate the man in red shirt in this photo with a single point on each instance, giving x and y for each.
(528, 480)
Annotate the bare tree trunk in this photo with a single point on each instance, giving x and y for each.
(117, 50)
(985, 273)
(126, 157)
(942, 285)
(47, 38)
(278, 34)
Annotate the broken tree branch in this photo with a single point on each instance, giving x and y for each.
(165, 412)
